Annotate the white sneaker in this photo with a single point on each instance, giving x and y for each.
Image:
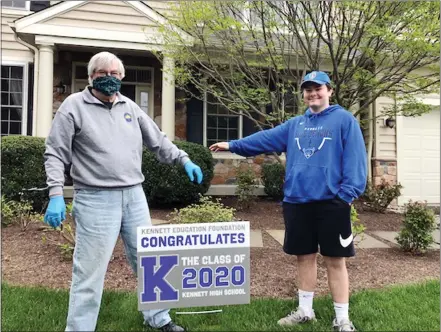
(296, 317)
(343, 325)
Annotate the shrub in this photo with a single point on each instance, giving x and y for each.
(357, 227)
(204, 211)
(246, 183)
(167, 184)
(379, 197)
(23, 168)
(18, 212)
(7, 212)
(419, 223)
(273, 176)
(62, 237)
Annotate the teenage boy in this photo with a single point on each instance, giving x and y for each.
(326, 170)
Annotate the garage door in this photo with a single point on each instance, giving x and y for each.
(418, 157)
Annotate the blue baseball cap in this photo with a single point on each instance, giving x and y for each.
(317, 77)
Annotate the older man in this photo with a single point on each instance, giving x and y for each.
(100, 133)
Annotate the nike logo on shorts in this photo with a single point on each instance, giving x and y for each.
(345, 242)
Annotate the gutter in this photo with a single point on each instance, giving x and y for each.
(36, 74)
(371, 132)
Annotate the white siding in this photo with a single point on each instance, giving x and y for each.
(12, 50)
(385, 140)
(103, 15)
(165, 8)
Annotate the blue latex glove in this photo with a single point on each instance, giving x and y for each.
(193, 169)
(56, 211)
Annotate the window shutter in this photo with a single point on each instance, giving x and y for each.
(249, 127)
(195, 124)
(36, 6)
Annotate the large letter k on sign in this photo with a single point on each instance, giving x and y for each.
(154, 279)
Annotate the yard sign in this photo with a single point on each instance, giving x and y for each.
(193, 265)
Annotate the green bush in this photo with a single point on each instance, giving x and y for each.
(246, 183)
(357, 226)
(167, 184)
(14, 212)
(379, 197)
(419, 223)
(204, 211)
(7, 211)
(23, 168)
(273, 177)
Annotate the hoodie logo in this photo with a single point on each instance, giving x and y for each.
(308, 152)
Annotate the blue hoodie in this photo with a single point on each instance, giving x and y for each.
(325, 155)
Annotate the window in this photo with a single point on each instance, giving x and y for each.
(13, 100)
(16, 4)
(222, 124)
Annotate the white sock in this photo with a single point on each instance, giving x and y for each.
(305, 301)
(341, 311)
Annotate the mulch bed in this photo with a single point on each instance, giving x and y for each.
(267, 214)
(26, 260)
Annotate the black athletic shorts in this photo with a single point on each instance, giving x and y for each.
(323, 223)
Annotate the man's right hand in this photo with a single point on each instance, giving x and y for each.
(56, 211)
(221, 146)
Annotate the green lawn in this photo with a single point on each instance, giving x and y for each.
(400, 308)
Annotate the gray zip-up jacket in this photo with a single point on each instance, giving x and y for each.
(103, 147)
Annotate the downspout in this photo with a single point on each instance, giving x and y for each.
(371, 133)
(36, 73)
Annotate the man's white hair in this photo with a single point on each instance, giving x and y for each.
(103, 60)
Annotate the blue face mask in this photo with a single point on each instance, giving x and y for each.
(107, 85)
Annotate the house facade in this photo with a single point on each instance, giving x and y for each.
(46, 46)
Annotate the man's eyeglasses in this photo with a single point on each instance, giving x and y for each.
(105, 73)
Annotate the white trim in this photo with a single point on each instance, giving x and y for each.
(98, 43)
(30, 58)
(89, 33)
(399, 147)
(9, 11)
(48, 13)
(24, 113)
